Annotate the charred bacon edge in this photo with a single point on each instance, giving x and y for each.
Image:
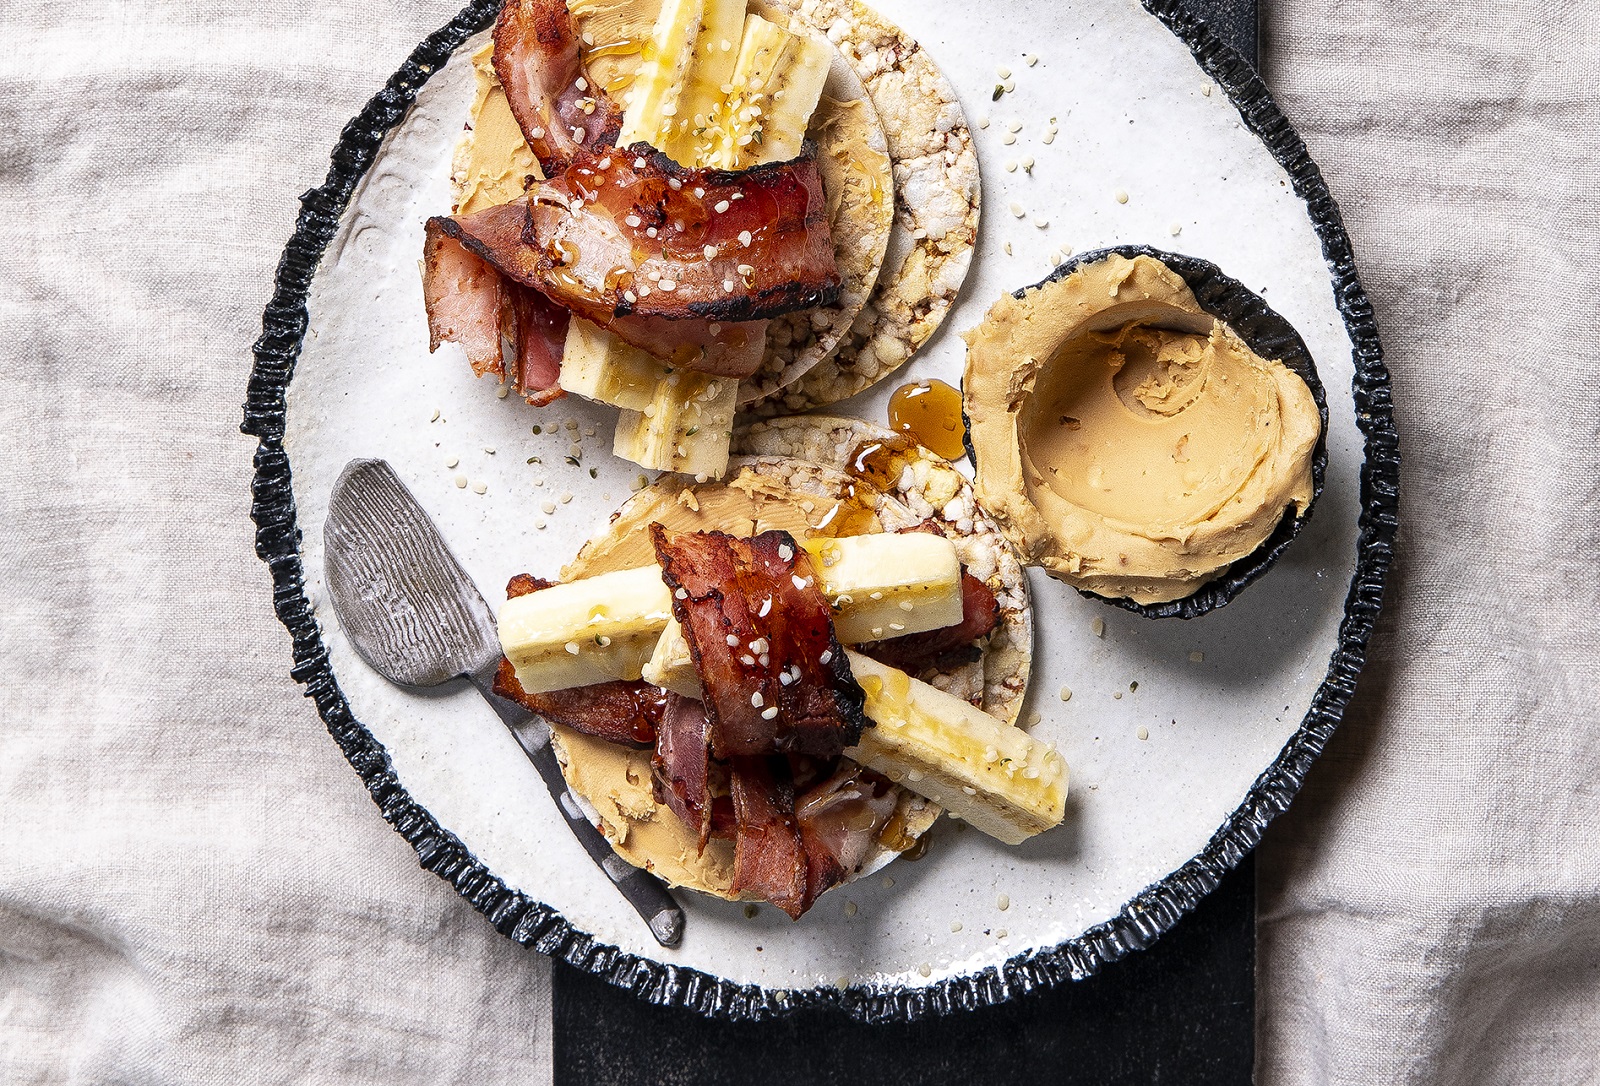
(730, 686)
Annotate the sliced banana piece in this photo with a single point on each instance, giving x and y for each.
(598, 366)
(775, 88)
(685, 426)
(654, 100)
(715, 88)
(986, 772)
(585, 632)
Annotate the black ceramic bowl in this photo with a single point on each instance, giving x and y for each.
(1268, 335)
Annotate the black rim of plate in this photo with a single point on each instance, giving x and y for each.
(1269, 335)
(534, 924)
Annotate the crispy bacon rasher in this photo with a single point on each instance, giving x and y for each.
(769, 857)
(949, 645)
(840, 819)
(539, 63)
(682, 764)
(631, 231)
(628, 713)
(469, 302)
(683, 264)
(774, 676)
(494, 236)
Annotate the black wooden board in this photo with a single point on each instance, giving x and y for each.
(1182, 1011)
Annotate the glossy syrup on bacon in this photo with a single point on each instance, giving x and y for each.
(539, 61)
(631, 231)
(774, 676)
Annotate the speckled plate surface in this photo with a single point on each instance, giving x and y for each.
(1184, 738)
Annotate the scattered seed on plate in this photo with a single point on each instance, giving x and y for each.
(1029, 59)
(849, 910)
(1027, 164)
(452, 462)
(1003, 902)
(925, 969)
(983, 121)
(502, 392)
(888, 882)
(1143, 732)
(1013, 126)
(955, 925)
(1098, 627)
(1011, 165)
(1176, 228)
(435, 415)
(1001, 933)
(1017, 209)
(480, 488)
(1008, 139)
(1117, 696)
(1066, 693)
(1034, 717)
(1049, 137)
(1003, 72)
(548, 507)
(1008, 249)
(461, 482)
(1206, 90)
(1122, 197)
(539, 524)
(489, 449)
(1009, 85)
(565, 497)
(1042, 224)
(1197, 657)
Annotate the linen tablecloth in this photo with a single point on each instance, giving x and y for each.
(195, 888)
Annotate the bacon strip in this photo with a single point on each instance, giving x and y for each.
(466, 300)
(769, 858)
(949, 645)
(840, 819)
(634, 232)
(618, 712)
(682, 765)
(775, 677)
(495, 236)
(541, 342)
(538, 59)
(471, 303)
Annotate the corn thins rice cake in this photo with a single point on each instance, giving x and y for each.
(492, 164)
(936, 196)
(769, 488)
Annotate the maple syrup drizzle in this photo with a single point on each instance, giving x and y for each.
(930, 412)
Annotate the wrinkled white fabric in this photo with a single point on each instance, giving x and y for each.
(172, 912)
(1430, 908)
(194, 887)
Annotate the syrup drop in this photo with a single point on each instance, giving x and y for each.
(930, 412)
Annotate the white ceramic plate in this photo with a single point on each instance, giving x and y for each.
(1171, 781)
